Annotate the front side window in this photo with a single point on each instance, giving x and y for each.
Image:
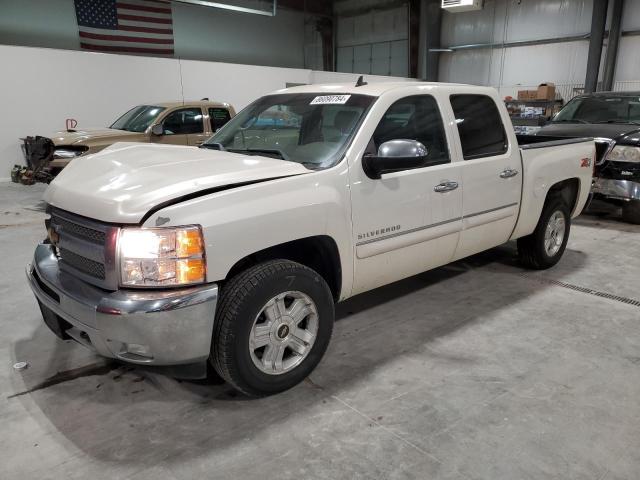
(313, 129)
(183, 122)
(415, 118)
(218, 117)
(480, 127)
(601, 109)
(138, 118)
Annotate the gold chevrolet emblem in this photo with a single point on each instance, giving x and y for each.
(54, 238)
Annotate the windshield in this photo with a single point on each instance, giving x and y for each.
(601, 109)
(308, 128)
(137, 119)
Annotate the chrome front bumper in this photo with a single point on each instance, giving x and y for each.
(617, 189)
(149, 327)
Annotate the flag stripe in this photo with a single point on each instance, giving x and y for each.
(134, 28)
(126, 49)
(126, 11)
(144, 19)
(124, 38)
(106, 43)
(139, 35)
(143, 8)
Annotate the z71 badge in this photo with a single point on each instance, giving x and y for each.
(585, 162)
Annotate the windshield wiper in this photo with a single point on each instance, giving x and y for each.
(213, 146)
(257, 151)
(573, 120)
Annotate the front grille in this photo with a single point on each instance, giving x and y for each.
(85, 265)
(86, 248)
(80, 231)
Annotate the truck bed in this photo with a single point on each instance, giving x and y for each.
(546, 161)
(526, 142)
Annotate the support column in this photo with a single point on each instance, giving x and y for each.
(431, 22)
(598, 21)
(611, 57)
(414, 38)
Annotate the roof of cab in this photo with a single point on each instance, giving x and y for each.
(375, 89)
(192, 103)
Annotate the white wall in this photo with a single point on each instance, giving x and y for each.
(41, 87)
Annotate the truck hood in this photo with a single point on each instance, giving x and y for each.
(86, 135)
(126, 180)
(601, 130)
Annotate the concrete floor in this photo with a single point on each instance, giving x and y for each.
(479, 370)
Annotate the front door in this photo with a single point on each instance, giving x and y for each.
(490, 173)
(178, 125)
(407, 221)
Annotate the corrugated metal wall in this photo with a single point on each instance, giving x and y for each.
(374, 42)
(514, 68)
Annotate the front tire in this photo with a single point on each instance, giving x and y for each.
(546, 245)
(273, 326)
(631, 212)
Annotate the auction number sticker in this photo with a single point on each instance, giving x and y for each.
(330, 100)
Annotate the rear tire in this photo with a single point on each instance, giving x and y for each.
(273, 326)
(546, 245)
(631, 212)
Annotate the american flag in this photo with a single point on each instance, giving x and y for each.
(127, 26)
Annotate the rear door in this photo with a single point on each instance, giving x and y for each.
(490, 174)
(218, 116)
(407, 221)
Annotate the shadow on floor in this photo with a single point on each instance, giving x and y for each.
(124, 415)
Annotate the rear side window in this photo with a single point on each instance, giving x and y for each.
(183, 121)
(218, 117)
(480, 126)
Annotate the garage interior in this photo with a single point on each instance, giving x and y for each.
(479, 369)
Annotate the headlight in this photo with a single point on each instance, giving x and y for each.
(161, 256)
(620, 153)
(66, 153)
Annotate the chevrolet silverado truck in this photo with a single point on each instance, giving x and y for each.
(174, 123)
(613, 119)
(234, 254)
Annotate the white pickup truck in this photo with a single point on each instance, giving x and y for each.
(233, 254)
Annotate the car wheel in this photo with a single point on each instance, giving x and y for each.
(545, 246)
(631, 211)
(273, 325)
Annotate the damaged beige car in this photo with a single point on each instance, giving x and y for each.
(175, 123)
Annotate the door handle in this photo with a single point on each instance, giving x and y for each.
(445, 186)
(508, 173)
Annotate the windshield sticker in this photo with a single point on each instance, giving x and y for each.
(330, 100)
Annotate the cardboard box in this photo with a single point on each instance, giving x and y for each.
(527, 94)
(546, 91)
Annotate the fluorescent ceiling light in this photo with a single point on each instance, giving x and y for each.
(235, 8)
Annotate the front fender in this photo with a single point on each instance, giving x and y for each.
(241, 221)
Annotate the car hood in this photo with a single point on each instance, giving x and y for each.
(66, 137)
(126, 180)
(596, 130)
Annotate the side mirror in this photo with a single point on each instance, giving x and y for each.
(157, 129)
(393, 156)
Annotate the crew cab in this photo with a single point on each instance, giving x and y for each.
(613, 119)
(233, 254)
(174, 123)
